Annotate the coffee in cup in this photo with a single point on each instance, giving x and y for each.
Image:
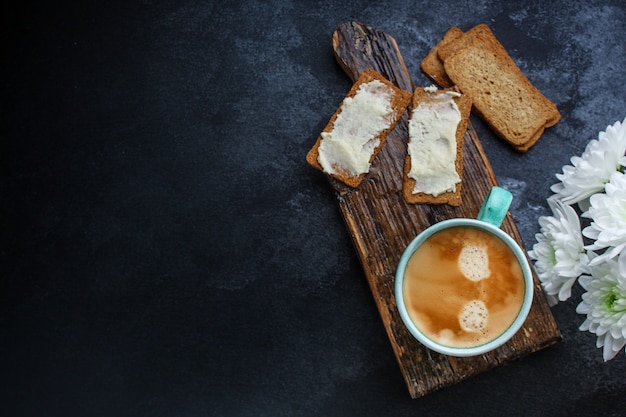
(463, 286)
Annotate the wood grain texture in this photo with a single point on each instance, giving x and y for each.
(381, 225)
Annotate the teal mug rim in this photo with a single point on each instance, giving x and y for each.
(474, 350)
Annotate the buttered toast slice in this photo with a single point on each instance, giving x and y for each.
(357, 131)
(502, 96)
(433, 168)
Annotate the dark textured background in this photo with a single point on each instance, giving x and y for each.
(165, 249)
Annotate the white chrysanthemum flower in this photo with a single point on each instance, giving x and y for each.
(608, 213)
(604, 303)
(589, 173)
(559, 253)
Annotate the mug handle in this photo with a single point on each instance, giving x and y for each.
(495, 206)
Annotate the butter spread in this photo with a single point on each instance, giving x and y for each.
(352, 140)
(432, 146)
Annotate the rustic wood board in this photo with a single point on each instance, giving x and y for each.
(382, 224)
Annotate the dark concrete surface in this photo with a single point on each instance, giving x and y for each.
(166, 251)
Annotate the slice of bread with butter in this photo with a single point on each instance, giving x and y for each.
(433, 167)
(358, 129)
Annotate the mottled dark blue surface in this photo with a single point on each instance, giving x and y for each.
(166, 251)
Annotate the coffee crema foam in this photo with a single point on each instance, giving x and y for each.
(463, 287)
(474, 262)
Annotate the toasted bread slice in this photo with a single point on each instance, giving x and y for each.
(398, 100)
(432, 99)
(432, 65)
(502, 96)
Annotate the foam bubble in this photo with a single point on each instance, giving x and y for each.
(473, 317)
(474, 262)
(446, 337)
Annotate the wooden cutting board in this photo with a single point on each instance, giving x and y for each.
(382, 224)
